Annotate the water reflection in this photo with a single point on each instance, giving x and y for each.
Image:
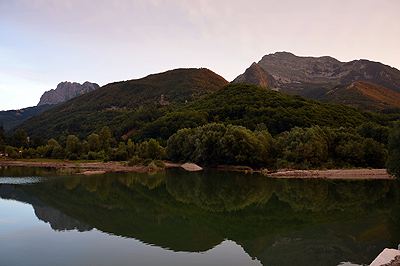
(317, 222)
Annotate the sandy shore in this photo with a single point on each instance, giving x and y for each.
(101, 167)
(334, 174)
(86, 168)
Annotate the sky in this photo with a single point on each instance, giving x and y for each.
(45, 42)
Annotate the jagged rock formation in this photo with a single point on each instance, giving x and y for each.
(65, 91)
(312, 77)
(257, 76)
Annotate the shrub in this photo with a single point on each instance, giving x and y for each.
(135, 160)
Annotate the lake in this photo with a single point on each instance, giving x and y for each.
(176, 217)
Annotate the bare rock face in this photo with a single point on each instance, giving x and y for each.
(312, 77)
(257, 76)
(65, 91)
(288, 68)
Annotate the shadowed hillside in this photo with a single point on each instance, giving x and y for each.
(121, 105)
(364, 95)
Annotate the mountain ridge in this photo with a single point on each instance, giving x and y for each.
(365, 95)
(257, 76)
(124, 105)
(314, 77)
(66, 90)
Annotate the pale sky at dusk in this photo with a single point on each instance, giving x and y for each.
(45, 42)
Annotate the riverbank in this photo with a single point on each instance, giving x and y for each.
(102, 167)
(83, 167)
(333, 174)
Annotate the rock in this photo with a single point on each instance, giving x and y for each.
(313, 76)
(257, 76)
(65, 91)
(386, 256)
(191, 167)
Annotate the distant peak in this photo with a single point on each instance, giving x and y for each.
(66, 90)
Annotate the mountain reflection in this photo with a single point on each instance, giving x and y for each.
(185, 211)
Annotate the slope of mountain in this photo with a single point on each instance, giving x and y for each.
(117, 104)
(248, 105)
(11, 118)
(364, 95)
(65, 91)
(257, 76)
(312, 77)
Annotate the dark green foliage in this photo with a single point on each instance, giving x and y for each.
(73, 146)
(2, 138)
(393, 162)
(19, 139)
(11, 118)
(154, 150)
(135, 160)
(249, 106)
(315, 147)
(373, 130)
(104, 139)
(37, 141)
(214, 144)
(302, 148)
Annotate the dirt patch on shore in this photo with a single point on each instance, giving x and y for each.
(334, 174)
(101, 167)
(85, 167)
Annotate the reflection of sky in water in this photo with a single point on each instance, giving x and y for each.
(20, 180)
(25, 239)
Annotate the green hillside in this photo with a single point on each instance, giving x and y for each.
(11, 118)
(365, 95)
(252, 106)
(124, 105)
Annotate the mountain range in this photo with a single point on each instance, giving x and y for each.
(125, 105)
(156, 105)
(64, 91)
(316, 77)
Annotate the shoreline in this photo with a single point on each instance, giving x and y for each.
(86, 167)
(102, 167)
(345, 174)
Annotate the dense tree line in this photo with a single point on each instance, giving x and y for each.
(368, 145)
(300, 148)
(219, 144)
(99, 146)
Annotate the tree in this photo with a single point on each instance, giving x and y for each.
(94, 142)
(302, 147)
(393, 162)
(154, 150)
(105, 138)
(37, 141)
(2, 138)
(48, 149)
(73, 145)
(130, 147)
(19, 139)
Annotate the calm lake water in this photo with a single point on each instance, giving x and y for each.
(204, 218)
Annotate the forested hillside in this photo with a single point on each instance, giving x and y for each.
(124, 105)
(11, 118)
(250, 106)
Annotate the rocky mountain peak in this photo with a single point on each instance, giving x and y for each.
(312, 77)
(65, 91)
(256, 76)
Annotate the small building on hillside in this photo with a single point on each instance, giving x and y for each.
(162, 100)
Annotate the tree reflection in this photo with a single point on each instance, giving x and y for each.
(194, 211)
